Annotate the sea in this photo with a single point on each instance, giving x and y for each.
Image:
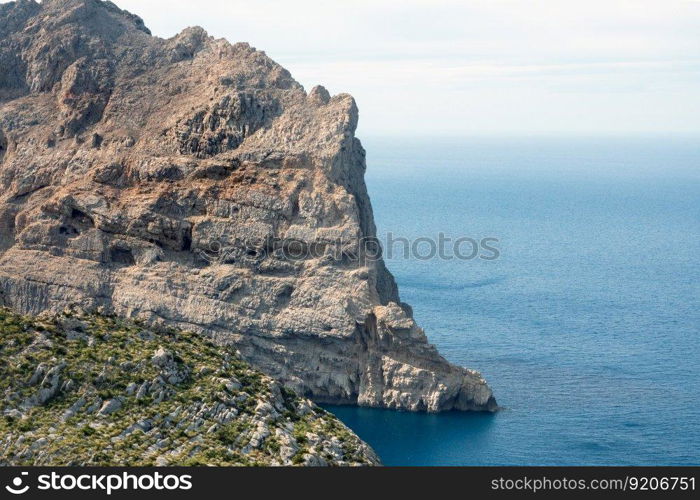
(585, 321)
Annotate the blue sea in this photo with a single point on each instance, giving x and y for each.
(587, 326)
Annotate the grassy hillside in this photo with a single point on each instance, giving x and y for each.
(79, 390)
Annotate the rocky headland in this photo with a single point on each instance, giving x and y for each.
(169, 181)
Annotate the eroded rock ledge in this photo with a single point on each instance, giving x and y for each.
(147, 177)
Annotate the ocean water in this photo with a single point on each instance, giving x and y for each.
(587, 326)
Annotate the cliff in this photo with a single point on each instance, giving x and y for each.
(95, 390)
(193, 183)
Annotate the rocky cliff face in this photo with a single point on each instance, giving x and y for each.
(194, 183)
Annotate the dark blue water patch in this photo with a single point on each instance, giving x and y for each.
(404, 438)
(588, 325)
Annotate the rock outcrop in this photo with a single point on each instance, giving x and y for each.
(94, 390)
(193, 183)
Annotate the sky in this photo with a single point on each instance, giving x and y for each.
(475, 67)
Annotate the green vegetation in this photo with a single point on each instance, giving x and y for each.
(101, 390)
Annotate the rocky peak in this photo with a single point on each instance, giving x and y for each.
(188, 42)
(96, 16)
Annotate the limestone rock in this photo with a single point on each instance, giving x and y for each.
(109, 407)
(161, 357)
(193, 183)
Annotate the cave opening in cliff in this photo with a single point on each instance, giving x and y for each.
(3, 145)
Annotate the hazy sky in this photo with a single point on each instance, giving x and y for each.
(475, 66)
